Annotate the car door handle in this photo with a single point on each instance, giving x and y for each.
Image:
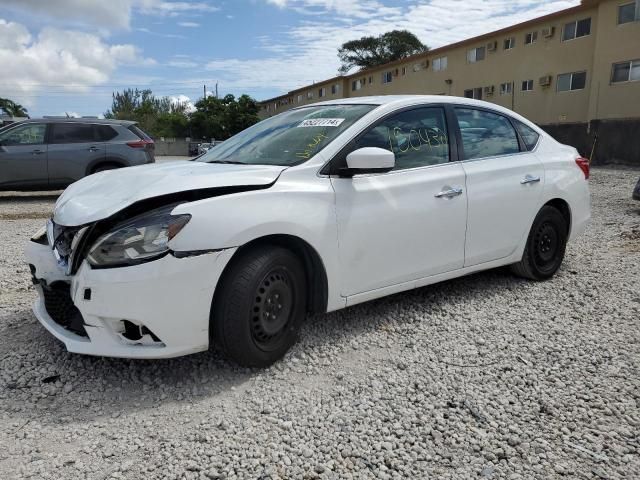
(93, 149)
(449, 193)
(529, 179)
(37, 152)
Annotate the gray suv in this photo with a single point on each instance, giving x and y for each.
(49, 154)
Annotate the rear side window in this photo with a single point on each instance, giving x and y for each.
(486, 134)
(417, 137)
(528, 134)
(71, 133)
(104, 133)
(139, 133)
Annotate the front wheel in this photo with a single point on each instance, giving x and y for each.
(260, 306)
(546, 244)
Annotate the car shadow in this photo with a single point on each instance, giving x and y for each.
(44, 381)
(29, 197)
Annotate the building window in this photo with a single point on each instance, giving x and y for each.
(530, 38)
(404, 70)
(509, 43)
(370, 79)
(506, 88)
(527, 85)
(578, 29)
(629, 12)
(571, 81)
(440, 64)
(626, 71)
(476, 54)
(356, 85)
(387, 77)
(322, 92)
(475, 93)
(299, 98)
(309, 95)
(335, 88)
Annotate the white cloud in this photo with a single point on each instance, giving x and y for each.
(177, 63)
(349, 8)
(183, 100)
(64, 60)
(308, 51)
(189, 24)
(105, 14)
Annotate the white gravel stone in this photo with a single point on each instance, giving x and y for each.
(487, 376)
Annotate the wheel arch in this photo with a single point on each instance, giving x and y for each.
(106, 161)
(317, 281)
(563, 207)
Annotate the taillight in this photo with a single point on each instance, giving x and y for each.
(583, 163)
(141, 144)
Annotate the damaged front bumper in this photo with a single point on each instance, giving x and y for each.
(158, 309)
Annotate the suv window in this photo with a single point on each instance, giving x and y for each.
(72, 133)
(28, 134)
(104, 133)
(486, 134)
(528, 134)
(417, 137)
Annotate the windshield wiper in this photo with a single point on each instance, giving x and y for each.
(229, 162)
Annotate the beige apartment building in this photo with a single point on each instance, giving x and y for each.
(570, 67)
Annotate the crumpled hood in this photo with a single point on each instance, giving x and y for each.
(101, 195)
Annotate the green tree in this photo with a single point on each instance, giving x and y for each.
(369, 52)
(12, 108)
(220, 118)
(158, 116)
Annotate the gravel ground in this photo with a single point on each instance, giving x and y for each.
(486, 376)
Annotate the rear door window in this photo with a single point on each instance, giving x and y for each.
(486, 134)
(104, 133)
(417, 137)
(529, 135)
(72, 133)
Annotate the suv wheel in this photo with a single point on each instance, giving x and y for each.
(261, 304)
(105, 166)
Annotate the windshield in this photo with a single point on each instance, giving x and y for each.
(289, 138)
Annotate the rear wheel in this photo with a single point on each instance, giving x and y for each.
(105, 166)
(546, 244)
(260, 306)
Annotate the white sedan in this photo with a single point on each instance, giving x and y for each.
(313, 210)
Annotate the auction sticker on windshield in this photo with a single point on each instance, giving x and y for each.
(321, 122)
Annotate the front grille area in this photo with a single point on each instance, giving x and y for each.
(60, 307)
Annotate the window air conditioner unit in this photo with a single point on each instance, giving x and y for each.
(489, 90)
(548, 32)
(492, 46)
(545, 81)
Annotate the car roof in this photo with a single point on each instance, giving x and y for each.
(399, 101)
(100, 121)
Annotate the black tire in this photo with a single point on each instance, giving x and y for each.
(105, 166)
(546, 244)
(257, 313)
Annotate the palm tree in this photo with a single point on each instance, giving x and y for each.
(12, 108)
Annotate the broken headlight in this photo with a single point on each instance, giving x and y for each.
(140, 239)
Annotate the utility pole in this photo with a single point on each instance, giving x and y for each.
(204, 92)
(216, 89)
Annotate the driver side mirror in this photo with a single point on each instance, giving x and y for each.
(369, 160)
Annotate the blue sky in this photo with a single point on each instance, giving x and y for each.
(69, 55)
